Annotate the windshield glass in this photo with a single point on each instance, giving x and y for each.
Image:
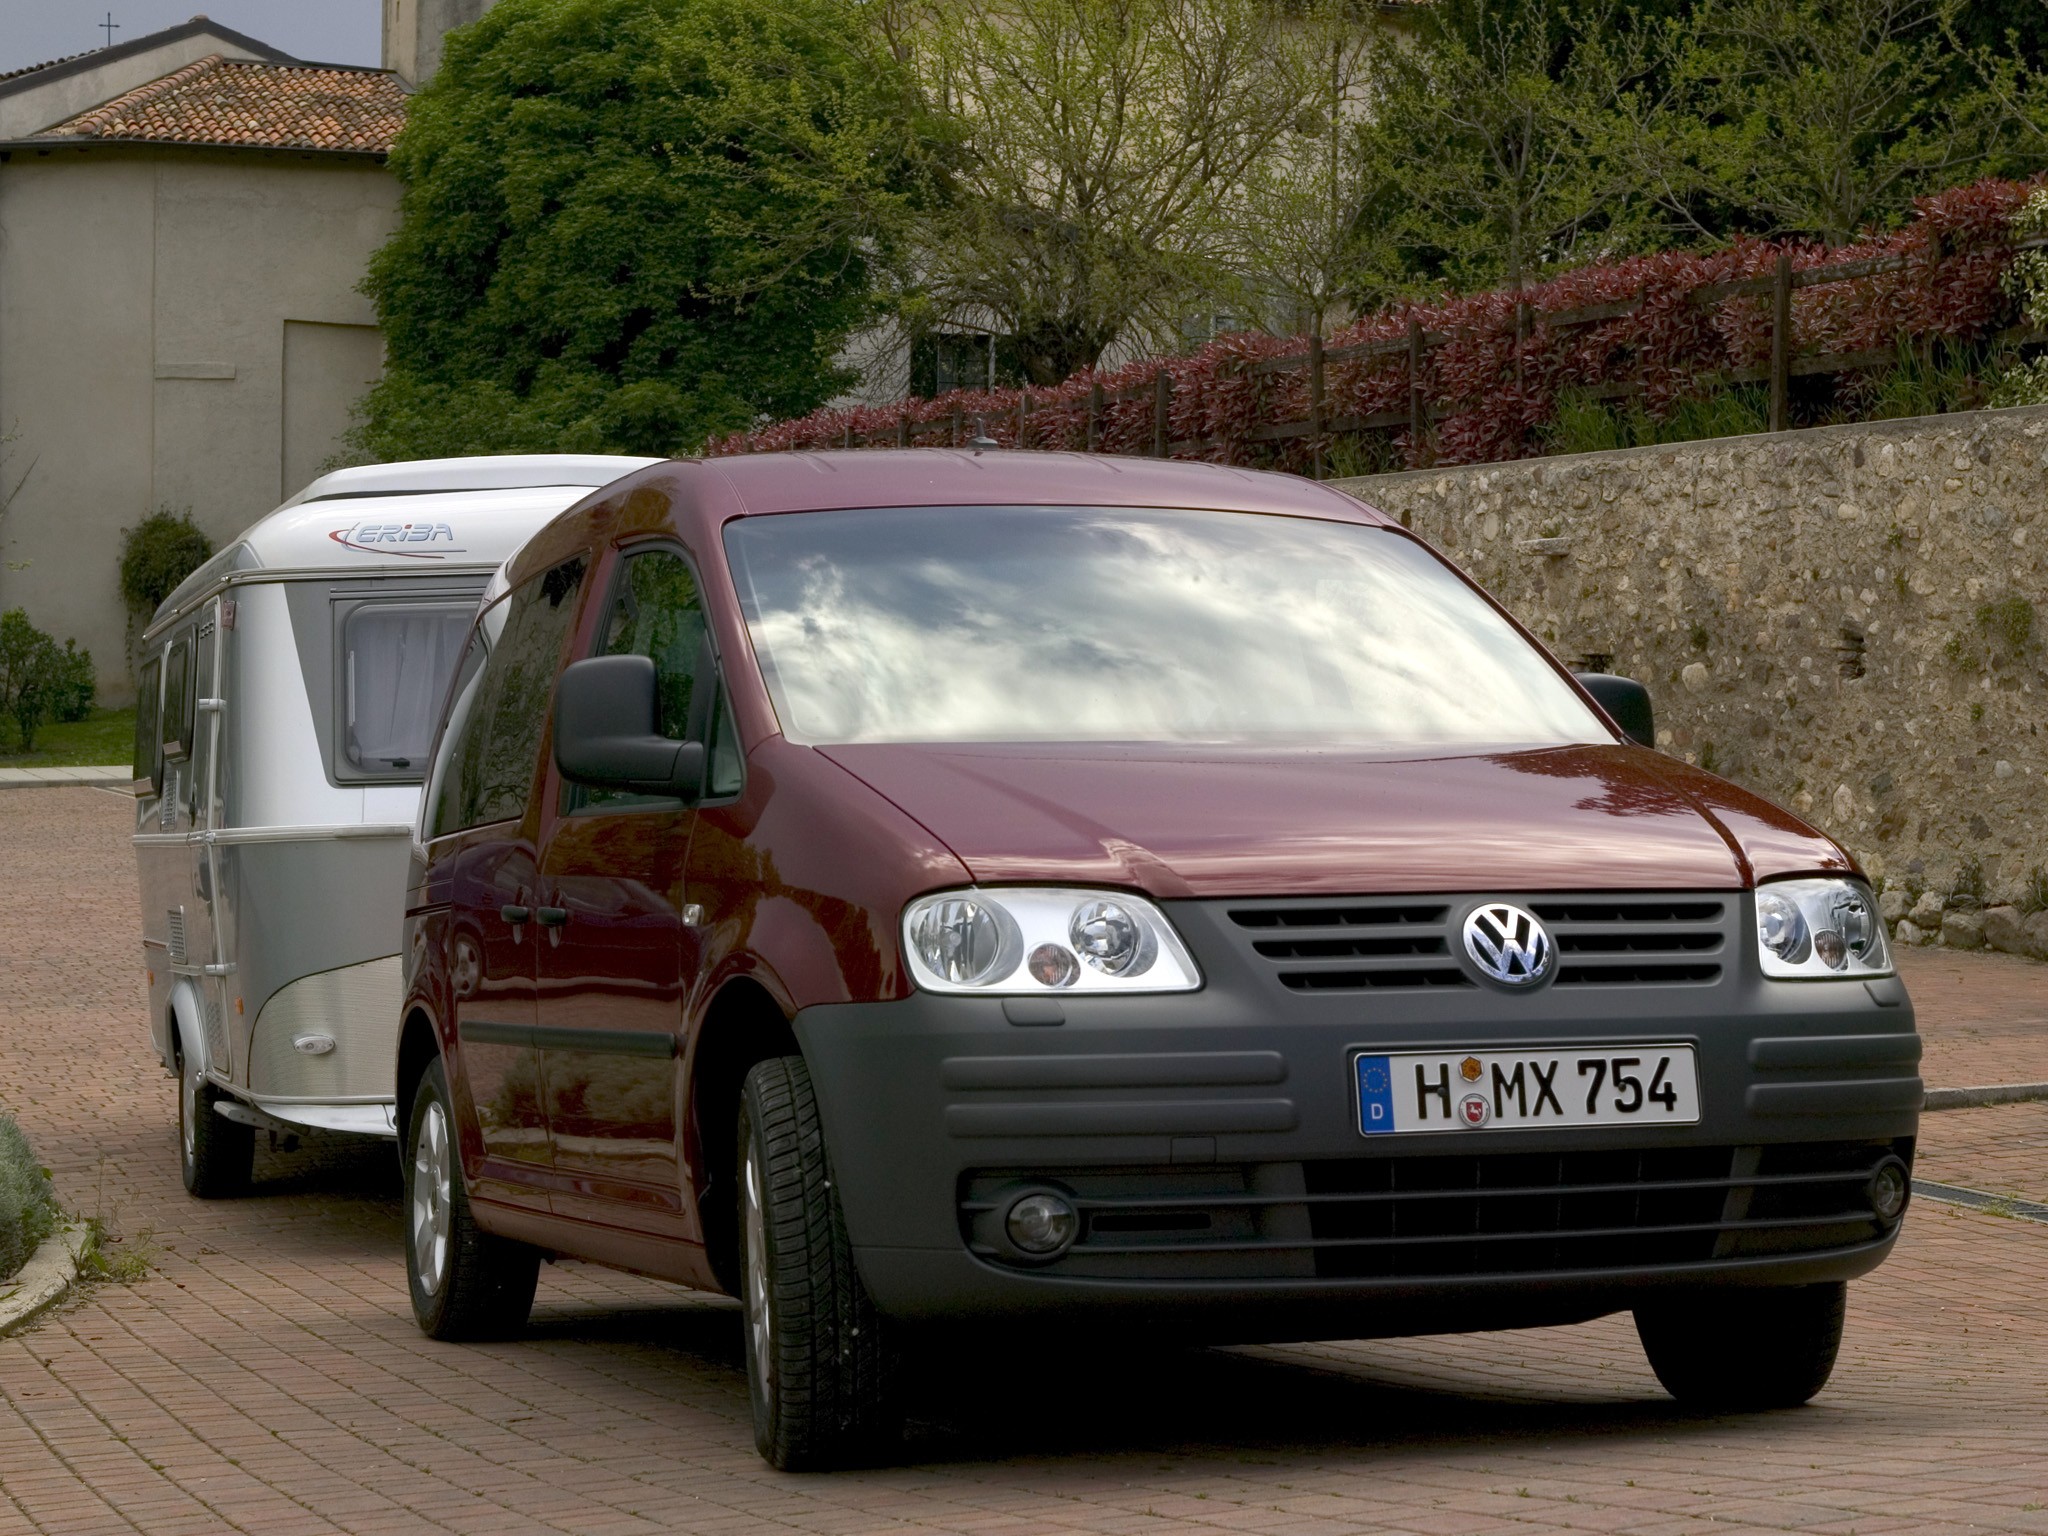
(1015, 624)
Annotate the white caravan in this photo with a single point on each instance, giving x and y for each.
(288, 693)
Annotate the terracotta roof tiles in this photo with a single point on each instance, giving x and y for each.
(36, 69)
(242, 103)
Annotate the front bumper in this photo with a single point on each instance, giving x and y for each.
(1211, 1141)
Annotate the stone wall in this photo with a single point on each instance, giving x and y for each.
(1851, 620)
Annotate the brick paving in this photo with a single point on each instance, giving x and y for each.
(266, 1376)
(1984, 1016)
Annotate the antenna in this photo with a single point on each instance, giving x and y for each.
(981, 441)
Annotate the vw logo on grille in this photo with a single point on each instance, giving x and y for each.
(1508, 944)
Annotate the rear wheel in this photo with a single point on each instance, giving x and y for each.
(466, 1283)
(1745, 1350)
(822, 1371)
(215, 1154)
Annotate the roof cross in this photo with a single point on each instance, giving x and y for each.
(110, 27)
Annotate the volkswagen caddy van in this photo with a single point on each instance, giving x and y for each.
(924, 891)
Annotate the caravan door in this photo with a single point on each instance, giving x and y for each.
(214, 952)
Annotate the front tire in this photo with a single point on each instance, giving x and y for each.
(466, 1283)
(1742, 1351)
(215, 1154)
(822, 1370)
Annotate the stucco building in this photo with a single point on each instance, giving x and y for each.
(184, 220)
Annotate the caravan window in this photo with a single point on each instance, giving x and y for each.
(396, 660)
(177, 728)
(149, 764)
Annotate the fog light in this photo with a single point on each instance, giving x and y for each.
(1041, 1225)
(1889, 1189)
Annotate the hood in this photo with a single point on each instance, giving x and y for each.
(1203, 822)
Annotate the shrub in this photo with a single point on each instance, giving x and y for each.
(156, 554)
(1500, 390)
(73, 686)
(1967, 893)
(28, 1208)
(39, 681)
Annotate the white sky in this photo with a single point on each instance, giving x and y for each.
(322, 31)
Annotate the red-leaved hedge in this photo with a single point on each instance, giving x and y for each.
(1487, 393)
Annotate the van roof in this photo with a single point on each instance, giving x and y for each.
(910, 477)
(445, 514)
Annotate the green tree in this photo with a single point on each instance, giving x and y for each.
(1815, 117)
(1103, 150)
(1486, 144)
(628, 224)
(1299, 240)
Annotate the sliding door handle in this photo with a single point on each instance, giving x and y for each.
(516, 915)
(551, 917)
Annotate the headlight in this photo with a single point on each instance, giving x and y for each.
(1820, 930)
(1044, 941)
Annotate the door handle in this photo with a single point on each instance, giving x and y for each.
(516, 915)
(552, 917)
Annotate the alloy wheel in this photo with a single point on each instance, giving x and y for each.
(188, 1112)
(758, 1322)
(432, 1198)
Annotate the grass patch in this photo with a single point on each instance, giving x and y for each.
(1585, 425)
(103, 1256)
(104, 736)
(28, 1207)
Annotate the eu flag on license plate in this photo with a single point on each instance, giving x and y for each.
(1375, 1095)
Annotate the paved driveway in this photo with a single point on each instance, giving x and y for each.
(266, 1375)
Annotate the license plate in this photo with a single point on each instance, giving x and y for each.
(1527, 1090)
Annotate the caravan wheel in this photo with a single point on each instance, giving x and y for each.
(214, 1154)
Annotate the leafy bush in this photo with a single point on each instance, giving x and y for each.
(38, 680)
(158, 553)
(73, 686)
(1499, 388)
(28, 1208)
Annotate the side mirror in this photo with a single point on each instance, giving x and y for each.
(1627, 703)
(605, 735)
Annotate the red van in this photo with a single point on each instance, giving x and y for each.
(926, 889)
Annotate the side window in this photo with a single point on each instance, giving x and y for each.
(149, 764)
(491, 765)
(177, 718)
(723, 774)
(442, 808)
(655, 612)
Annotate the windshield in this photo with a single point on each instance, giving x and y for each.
(1017, 624)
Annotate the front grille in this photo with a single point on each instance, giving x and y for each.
(1619, 941)
(1405, 944)
(1460, 1217)
(1353, 947)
